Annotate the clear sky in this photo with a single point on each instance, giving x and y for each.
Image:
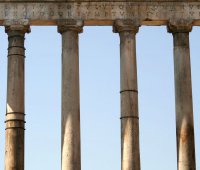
(100, 99)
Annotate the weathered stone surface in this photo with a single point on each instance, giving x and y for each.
(126, 17)
(130, 152)
(71, 147)
(101, 1)
(101, 13)
(179, 26)
(14, 151)
(183, 95)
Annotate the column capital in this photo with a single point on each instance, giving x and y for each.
(70, 25)
(179, 26)
(126, 25)
(17, 25)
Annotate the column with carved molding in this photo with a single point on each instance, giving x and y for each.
(183, 95)
(15, 117)
(130, 152)
(71, 147)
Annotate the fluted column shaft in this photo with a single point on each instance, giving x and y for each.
(14, 150)
(71, 149)
(183, 98)
(130, 152)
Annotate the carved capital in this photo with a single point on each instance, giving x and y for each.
(70, 25)
(126, 25)
(178, 26)
(17, 25)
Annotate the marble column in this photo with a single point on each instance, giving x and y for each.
(14, 150)
(71, 148)
(130, 152)
(183, 97)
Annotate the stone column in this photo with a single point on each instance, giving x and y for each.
(14, 150)
(71, 149)
(130, 152)
(183, 96)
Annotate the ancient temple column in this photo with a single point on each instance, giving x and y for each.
(14, 150)
(183, 96)
(130, 152)
(71, 149)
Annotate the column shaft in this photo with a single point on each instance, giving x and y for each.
(71, 149)
(184, 110)
(14, 150)
(130, 158)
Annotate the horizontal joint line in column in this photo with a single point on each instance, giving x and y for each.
(187, 46)
(127, 117)
(15, 128)
(135, 91)
(16, 113)
(15, 120)
(183, 162)
(16, 47)
(17, 54)
(12, 36)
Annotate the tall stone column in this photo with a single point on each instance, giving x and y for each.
(71, 149)
(14, 150)
(183, 96)
(130, 152)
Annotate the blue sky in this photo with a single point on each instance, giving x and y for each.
(100, 99)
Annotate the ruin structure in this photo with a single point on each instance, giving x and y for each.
(126, 17)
